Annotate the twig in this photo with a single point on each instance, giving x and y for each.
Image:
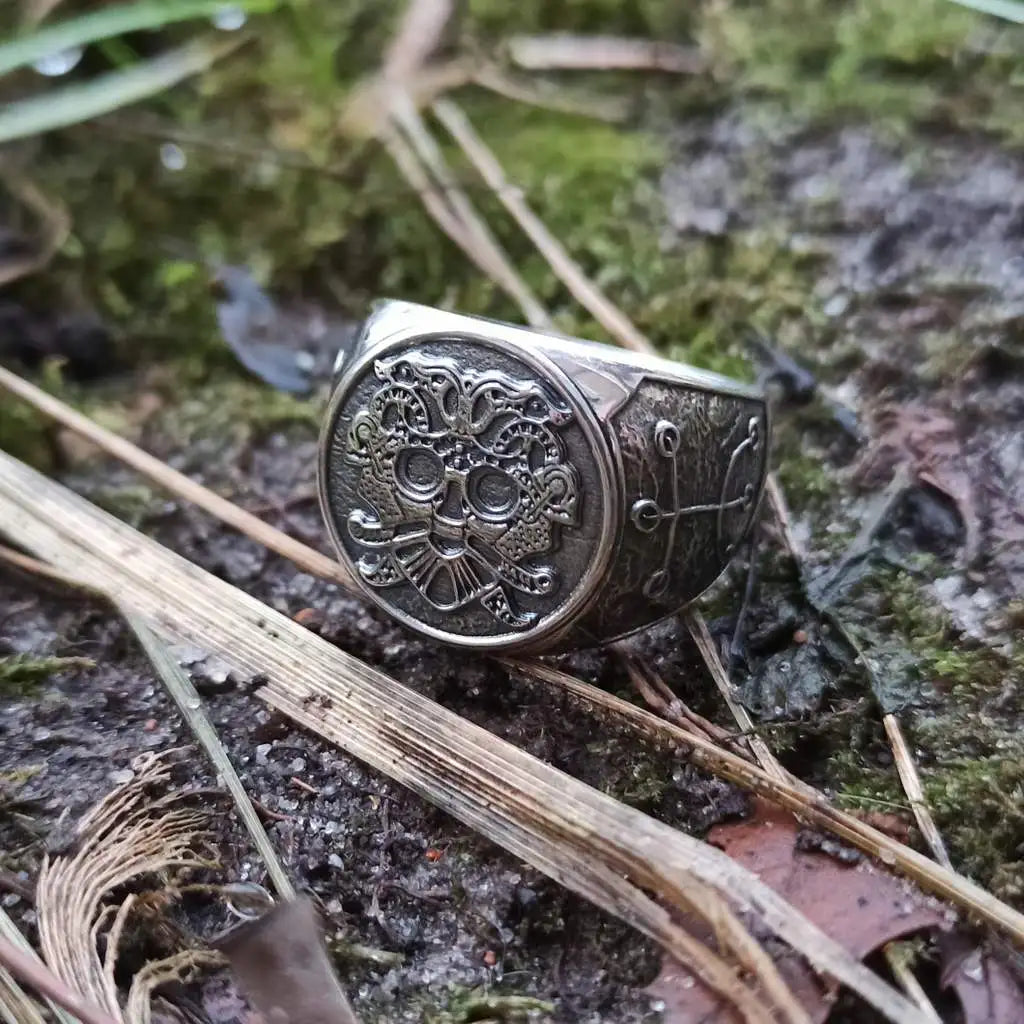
(227, 512)
(706, 645)
(488, 251)
(417, 37)
(36, 975)
(548, 97)
(907, 770)
(565, 267)
(602, 53)
(190, 705)
(657, 694)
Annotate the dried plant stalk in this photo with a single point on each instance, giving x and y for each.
(521, 803)
(563, 51)
(128, 834)
(16, 961)
(9, 931)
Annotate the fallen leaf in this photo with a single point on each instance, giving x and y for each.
(849, 898)
(927, 440)
(281, 965)
(988, 992)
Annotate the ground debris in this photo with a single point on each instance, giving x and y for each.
(988, 992)
(130, 834)
(284, 348)
(851, 899)
(281, 963)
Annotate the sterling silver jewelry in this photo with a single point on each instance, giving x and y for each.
(502, 488)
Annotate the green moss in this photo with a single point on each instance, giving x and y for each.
(467, 1005)
(21, 674)
(805, 479)
(894, 62)
(979, 807)
(25, 434)
(229, 410)
(858, 782)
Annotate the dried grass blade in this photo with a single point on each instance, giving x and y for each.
(563, 51)
(618, 325)
(493, 786)
(10, 932)
(190, 705)
(22, 963)
(486, 250)
(127, 834)
(227, 512)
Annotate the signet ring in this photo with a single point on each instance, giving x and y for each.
(506, 489)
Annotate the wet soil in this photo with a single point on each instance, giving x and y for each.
(909, 304)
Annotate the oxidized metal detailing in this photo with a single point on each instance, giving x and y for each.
(494, 487)
(468, 484)
(647, 515)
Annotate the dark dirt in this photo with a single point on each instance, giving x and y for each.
(905, 264)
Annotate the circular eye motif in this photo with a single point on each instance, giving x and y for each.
(492, 493)
(419, 472)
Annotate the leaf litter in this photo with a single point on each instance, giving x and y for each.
(854, 900)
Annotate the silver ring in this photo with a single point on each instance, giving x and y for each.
(501, 488)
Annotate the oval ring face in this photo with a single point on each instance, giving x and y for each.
(468, 487)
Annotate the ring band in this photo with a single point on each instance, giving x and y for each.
(500, 488)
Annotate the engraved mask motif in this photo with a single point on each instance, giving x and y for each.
(468, 482)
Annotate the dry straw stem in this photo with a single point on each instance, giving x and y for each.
(566, 52)
(190, 705)
(15, 1005)
(10, 932)
(128, 834)
(227, 512)
(796, 796)
(30, 971)
(614, 321)
(612, 854)
(484, 248)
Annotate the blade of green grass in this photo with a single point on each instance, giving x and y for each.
(114, 21)
(1011, 10)
(108, 92)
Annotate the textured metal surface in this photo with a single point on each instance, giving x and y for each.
(464, 490)
(693, 466)
(497, 488)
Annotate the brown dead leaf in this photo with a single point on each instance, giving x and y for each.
(281, 964)
(988, 992)
(856, 903)
(927, 441)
